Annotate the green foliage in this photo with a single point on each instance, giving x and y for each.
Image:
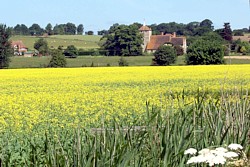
(179, 50)
(41, 45)
(190, 29)
(80, 29)
(122, 61)
(205, 52)
(165, 55)
(244, 47)
(5, 46)
(21, 30)
(49, 30)
(160, 139)
(70, 29)
(71, 51)
(35, 29)
(123, 40)
(57, 59)
(90, 33)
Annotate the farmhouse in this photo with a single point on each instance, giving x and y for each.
(19, 48)
(152, 42)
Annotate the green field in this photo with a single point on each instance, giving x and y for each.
(98, 61)
(80, 41)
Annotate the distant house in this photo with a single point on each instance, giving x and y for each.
(152, 42)
(19, 48)
(245, 38)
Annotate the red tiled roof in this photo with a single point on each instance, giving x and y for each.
(157, 40)
(177, 41)
(18, 43)
(145, 28)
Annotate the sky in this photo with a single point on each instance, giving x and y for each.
(97, 15)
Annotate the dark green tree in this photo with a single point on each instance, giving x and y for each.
(17, 30)
(71, 51)
(41, 45)
(35, 29)
(59, 29)
(164, 55)
(207, 23)
(70, 29)
(205, 52)
(90, 33)
(123, 40)
(5, 46)
(80, 29)
(49, 29)
(21, 30)
(57, 59)
(102, 32)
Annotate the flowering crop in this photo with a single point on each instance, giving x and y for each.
(88, 96)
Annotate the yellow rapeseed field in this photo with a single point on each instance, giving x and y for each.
(88, 96)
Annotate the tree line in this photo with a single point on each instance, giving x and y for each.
(59, 29)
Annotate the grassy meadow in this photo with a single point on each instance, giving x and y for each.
(121, 116)
(79, 41)
(99, 61)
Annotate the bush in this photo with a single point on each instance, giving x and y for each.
(122, 62)
(71, 52)
(165, 55)
(179, 50)
(205, 52)
(41, 45)
(58, 59)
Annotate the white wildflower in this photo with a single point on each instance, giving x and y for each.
(191, 151)
(204, 151)
(221, 149)
(212, 160)
(231, 155)
(234, 146)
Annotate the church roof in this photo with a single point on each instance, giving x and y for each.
(157, 40)
(145, 28)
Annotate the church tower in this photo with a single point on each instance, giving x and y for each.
(146, 32)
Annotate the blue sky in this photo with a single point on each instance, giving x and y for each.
(101, 14)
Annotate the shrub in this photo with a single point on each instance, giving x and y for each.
(41, 45)
(71, 52)
(179, 50)
(57, 59)
(122, 62)
(165, 55)
(205, 52)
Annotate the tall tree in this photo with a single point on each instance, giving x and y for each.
(42, 46)
(123, 40)
(226, 32)
(5, 46)
(35, 29)
(208, 24)
(17, 30)
(59, 29)
(70, 29)
(48, 29)
(80, 29)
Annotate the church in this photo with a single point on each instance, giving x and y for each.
(152, 42)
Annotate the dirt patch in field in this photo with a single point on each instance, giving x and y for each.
(237, 57)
